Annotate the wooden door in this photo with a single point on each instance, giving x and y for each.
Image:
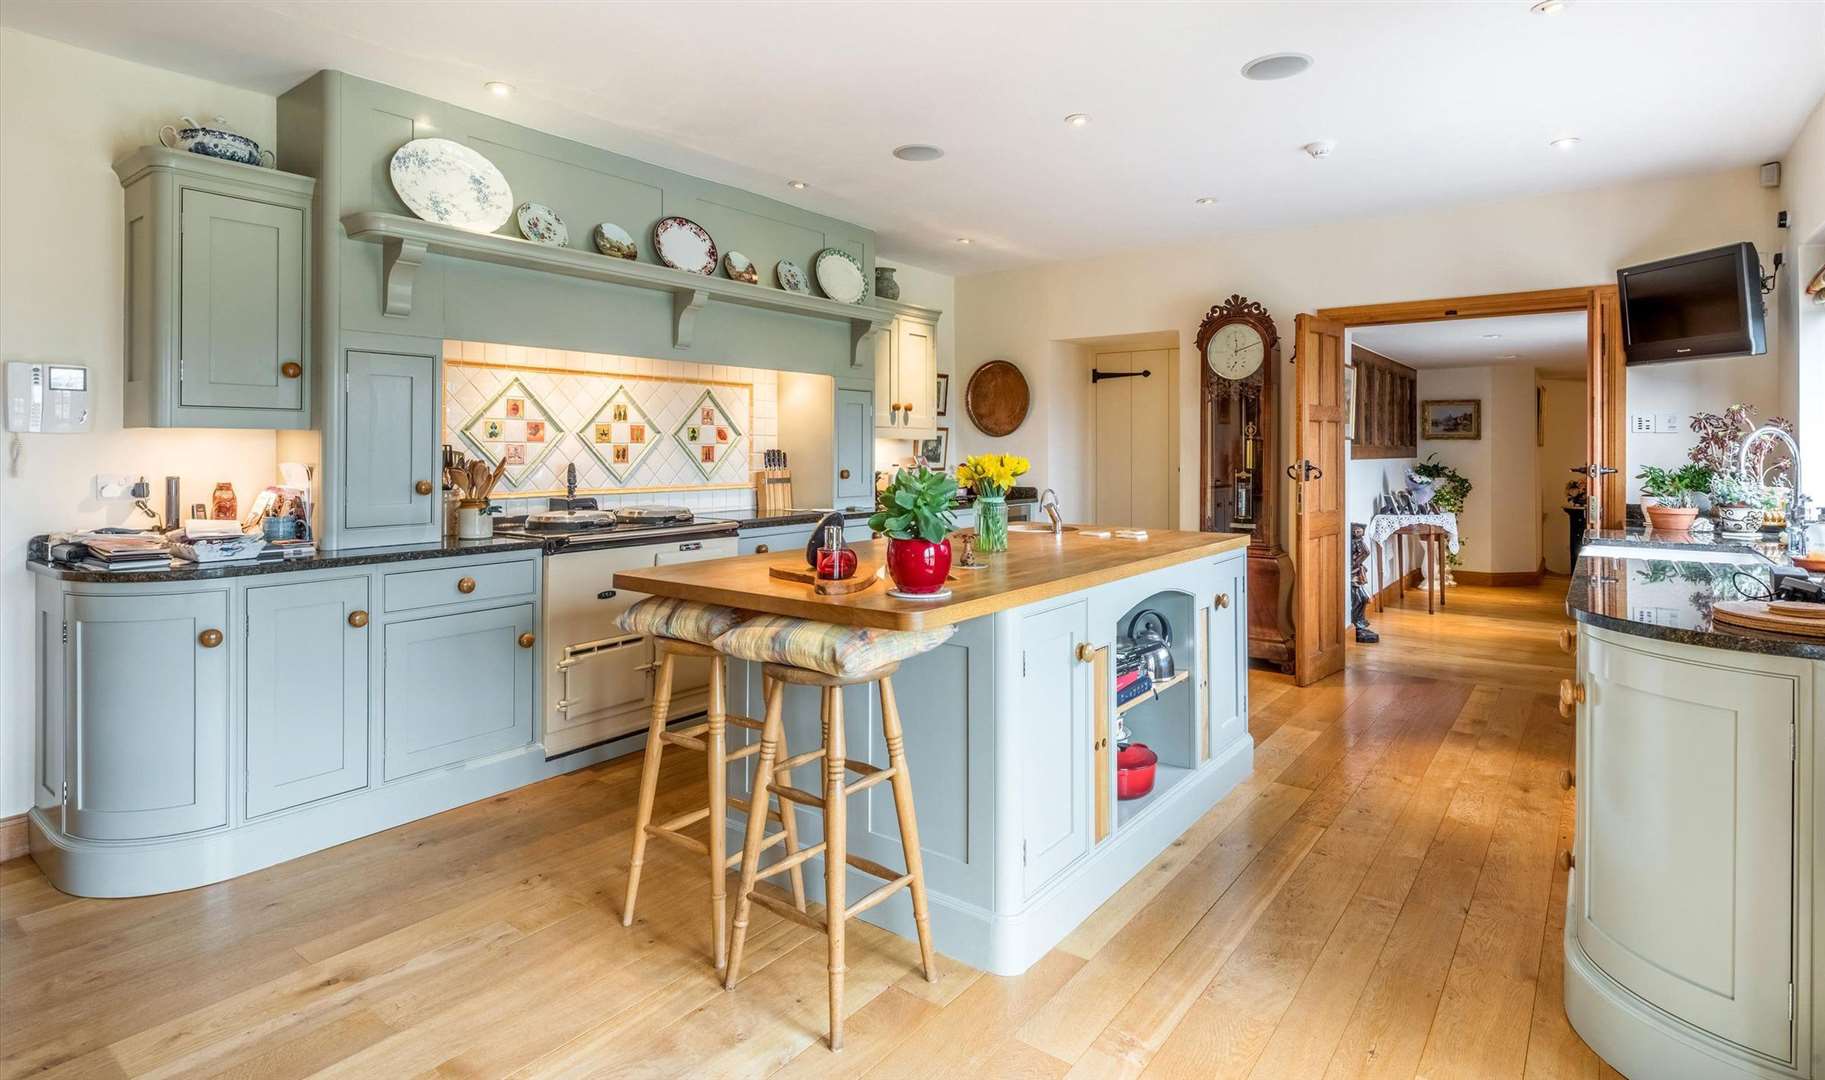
(391, 441)
(1317, 472)
(1132, 452)
(456, 687)
(242, 304)
(1606, 428)
(307, 692)
(148, 714)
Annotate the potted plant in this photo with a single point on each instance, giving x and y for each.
(1672, 491)
(990, 476)
(915, 516)
(1738, 501)
(1450, 489)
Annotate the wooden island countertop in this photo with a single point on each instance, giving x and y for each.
(1037, 566)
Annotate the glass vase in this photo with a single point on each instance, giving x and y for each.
(991, 524)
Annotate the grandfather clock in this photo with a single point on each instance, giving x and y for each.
(1239, 462)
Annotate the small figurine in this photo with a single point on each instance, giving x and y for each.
(1359, 586)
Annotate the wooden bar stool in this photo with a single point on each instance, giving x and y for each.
(764, 641)
(709, 737)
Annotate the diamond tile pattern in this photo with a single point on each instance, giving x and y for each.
(515, 425)
(708, 435)
(573, 388)
(620, 434)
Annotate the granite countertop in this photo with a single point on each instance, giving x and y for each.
(1670, 599)
(750, 522)
(37, 560)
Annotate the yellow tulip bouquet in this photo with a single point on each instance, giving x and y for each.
(990, 476)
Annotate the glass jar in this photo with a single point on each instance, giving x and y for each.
(991, 523)
(835, 560)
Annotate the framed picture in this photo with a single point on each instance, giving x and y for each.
(944, 394)
(935, 453)
(1349, 401)
(1452, 419)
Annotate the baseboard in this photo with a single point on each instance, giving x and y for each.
(13, 841)
(1501, 579)
(1391, 590)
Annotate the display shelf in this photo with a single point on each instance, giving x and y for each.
(1158, 689)
(1165, 778)
(405, 241)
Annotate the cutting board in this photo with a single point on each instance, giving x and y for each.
(1799, 620)
(863, 578)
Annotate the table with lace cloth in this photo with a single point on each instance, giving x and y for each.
(1436, 533)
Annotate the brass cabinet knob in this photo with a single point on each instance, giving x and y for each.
(1222, 600)
(842, 474)
(291, 369)
(209, 639)
(358, 618)
(423, 487)
(526, 640)
(1086, 652)
(1571, 695)
(465, 585)
(761, 549)
(1568, 639)
(1567, 778)
(1567, 860)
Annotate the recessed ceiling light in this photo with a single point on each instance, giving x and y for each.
(1276, 66)
(963, 240)
(797, 185)
(499, 89)
(1567, 143)
(1491, 337)
(1548, 7)
(1077, 119)
(1321, 149)
(1205, 200)
(917, 152)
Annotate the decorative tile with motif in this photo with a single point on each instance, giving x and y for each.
(620, 434)
(514, 426)
(708, 434)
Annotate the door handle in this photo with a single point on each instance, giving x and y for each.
(606, 594)
(358, 619)
(1571, 695)
(1311, 471)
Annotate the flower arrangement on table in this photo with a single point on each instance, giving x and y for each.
(990, 476)
(915, 516)
(1449, 490)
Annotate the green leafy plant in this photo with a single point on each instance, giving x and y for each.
(916, 505)
(1729, 489)
(1674, 488)
(1449, 490)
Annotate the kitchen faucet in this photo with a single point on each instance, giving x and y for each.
(1797, 510)
(1048, 501)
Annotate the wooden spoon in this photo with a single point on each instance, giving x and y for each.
(493, 479)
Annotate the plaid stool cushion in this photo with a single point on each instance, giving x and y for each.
(686, 620)
(843, 651)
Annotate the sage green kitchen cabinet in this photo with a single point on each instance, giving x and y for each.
(1227, 653)
(392, 483)
(1053, 765)
(307, 692)
(457, 687)
(854, 448)
(145, 714)
(217, 293)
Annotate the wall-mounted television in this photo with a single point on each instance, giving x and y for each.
(1708, 303)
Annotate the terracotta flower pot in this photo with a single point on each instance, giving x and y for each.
(918, 566)
(1671, 518)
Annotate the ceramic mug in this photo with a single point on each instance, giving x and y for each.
(215, 142)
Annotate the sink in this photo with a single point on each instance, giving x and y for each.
(1037, 526)
(1696, 553)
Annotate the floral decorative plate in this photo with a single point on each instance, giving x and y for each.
(791, 278)
(741, 268)
(840, 276)
(450, 184)
(612, 239)
(682, 244)
(541, 223)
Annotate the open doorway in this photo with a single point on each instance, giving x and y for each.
(1320, 457)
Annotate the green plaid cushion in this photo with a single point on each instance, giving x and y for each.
(686, 620)
(844, 651)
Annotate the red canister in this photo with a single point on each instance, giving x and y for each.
(1134, 768)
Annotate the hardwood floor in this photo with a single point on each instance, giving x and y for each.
(1381, 898)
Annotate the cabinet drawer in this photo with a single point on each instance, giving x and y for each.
(411, 589)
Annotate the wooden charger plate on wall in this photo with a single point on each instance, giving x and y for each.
(997, 398)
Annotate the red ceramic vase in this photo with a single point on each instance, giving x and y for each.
(918, 566)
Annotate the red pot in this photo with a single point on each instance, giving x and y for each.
(918, 566)
(1134, 766)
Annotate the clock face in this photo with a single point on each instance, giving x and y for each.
(1236, 351)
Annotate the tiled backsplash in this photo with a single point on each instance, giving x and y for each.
(544, 409)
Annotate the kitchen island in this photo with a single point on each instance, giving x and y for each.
(1011, 724)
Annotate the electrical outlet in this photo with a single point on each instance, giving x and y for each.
(1666, 423)
(112, 485)
(1641, 424)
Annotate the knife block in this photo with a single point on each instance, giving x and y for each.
(772, 492)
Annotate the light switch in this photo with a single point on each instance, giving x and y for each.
(112, 485)
(1666, 423)
(1641, 423)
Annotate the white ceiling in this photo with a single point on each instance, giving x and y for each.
(1552, 344)
(1429, 103)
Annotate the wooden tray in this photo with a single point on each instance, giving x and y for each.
(864, 577)
(1755, 615)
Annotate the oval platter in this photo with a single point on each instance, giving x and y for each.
(450, 184)
(840, 276)
(997, 398)
(682, 244)
(541, 224)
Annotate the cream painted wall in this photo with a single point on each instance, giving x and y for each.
(1689, 386)
(1498, 526)
(1575, 238)
(65, 115)
(1564, 405)
(1801, 353)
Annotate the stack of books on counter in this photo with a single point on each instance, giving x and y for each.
(118, 552)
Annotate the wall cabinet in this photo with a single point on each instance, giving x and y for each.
(457, 687)
(1053, 766)
(906, 374)
(392, 487)
(307, 692)
(217, 293)
(854, 449)
(146, 714)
